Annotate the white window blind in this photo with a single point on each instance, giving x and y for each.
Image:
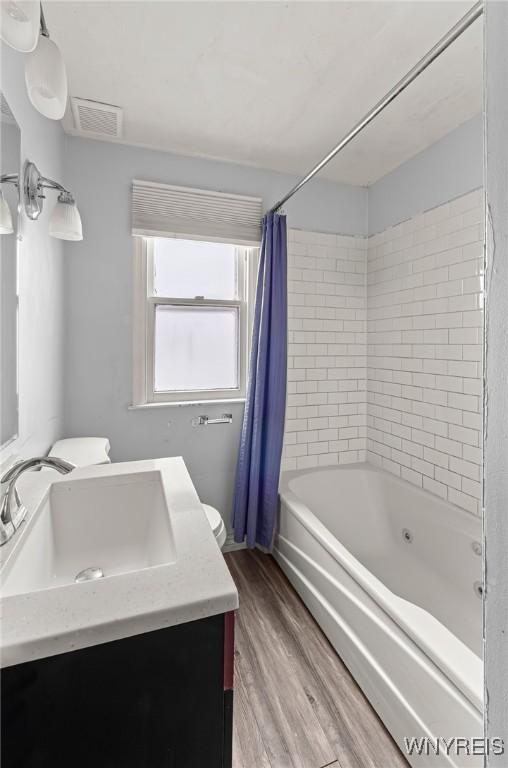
(165, 210)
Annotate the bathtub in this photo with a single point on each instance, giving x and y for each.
(393, 576)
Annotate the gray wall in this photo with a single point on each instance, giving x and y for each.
(447, 169)
(40, 279)
(99, 301)
(496, 395)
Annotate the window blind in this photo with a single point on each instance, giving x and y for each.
(163, 209)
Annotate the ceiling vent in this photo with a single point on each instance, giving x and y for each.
(97, 119)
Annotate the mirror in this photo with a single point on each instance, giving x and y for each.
(10, 154)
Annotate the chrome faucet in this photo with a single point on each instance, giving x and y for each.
(12, 511)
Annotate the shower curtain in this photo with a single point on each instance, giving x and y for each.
(257, 472)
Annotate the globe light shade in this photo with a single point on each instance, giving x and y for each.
(19, 23)
(46, 79)
(6, 227)
(65, 222)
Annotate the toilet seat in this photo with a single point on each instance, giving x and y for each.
(216, 524)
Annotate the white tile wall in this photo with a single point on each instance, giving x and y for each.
(326, 416)
(425, 315)
(385, 350)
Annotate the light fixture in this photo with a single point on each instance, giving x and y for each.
(19, 24)
(65, 222)
(6, 227)
(45, 76)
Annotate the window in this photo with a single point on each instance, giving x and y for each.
(192, 319)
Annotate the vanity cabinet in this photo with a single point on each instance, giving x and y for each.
(163, 699)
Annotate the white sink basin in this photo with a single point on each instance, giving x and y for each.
(117, 524)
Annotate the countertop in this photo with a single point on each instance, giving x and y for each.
(65, 618)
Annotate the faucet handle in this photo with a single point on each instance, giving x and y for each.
(11, 516)
(53, 462)
(61, 465)
(12, 472)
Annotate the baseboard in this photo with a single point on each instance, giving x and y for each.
(231, 545)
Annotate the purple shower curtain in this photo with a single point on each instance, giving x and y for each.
(257, 471)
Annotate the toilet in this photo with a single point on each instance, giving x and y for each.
(216, 524)
(86, 451)
(82, 451)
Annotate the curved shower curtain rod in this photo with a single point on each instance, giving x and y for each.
(464, 23)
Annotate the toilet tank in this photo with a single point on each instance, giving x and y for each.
(82, 451)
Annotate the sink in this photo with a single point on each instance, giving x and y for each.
(112, 524)
(135, 531)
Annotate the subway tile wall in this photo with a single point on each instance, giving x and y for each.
(326, 415)
(424, 342)
(385, 350)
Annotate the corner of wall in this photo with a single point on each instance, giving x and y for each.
(40, 279)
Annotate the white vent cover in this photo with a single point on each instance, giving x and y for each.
(162, 209)
(93, 117)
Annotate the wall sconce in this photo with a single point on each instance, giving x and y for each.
(23, 27)
(20, 22)
(45, 76)
(65, 221)
(6, 227)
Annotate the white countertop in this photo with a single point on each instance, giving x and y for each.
(65, 618)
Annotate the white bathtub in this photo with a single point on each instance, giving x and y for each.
(392, 575)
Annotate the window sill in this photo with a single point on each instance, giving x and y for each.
(185, 403)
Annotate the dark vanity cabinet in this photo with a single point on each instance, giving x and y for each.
(163, 699)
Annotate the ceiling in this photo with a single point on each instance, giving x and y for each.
(272, 84)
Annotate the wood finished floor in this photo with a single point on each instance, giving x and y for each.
(296, 705)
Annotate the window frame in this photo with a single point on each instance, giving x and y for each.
(145, 304)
